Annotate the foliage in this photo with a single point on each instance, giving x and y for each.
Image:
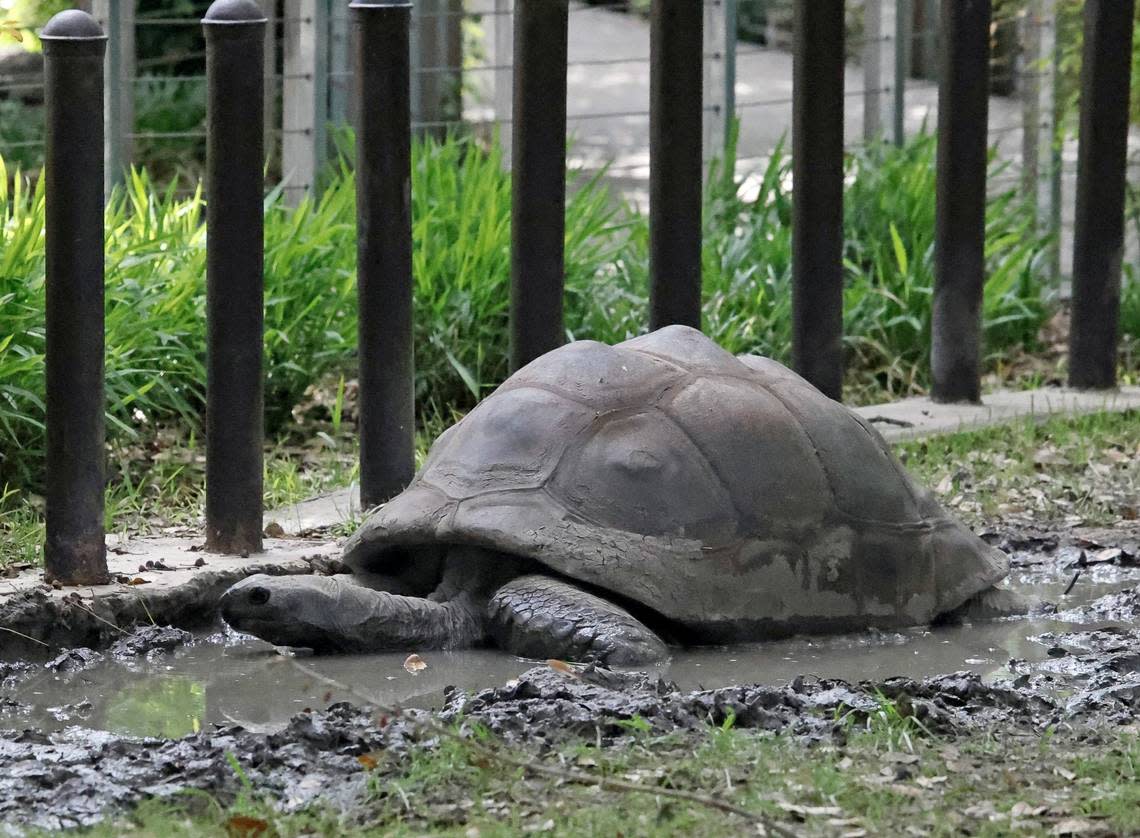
(461, 233)
(888, 258)
(155, 294)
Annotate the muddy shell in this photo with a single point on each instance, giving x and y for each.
(725, 494)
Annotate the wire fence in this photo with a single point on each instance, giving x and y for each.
(462, 74)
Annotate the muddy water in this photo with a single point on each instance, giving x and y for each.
(229, 679)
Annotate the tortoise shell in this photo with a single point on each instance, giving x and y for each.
(724, 493)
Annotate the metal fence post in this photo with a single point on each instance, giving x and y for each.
(74, 551)
(538, 180)
(675, 111)
(817, 221)
(960, 217)
(384, 246)
(731, 25)
(118, 19)
(436, 81)
(1098, 240)
(716, 116)
(269, 110)
(904, 15)
(503, 28)
(872, 69)
(340, 64)
(304, 98)
(235, 40)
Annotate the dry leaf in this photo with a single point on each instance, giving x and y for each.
(415, 664)
(805, 811)
(369, 761)
(243, 826)
(1064, 772)
(930, 782)
(1075, 826)
(562, 666)
(138, 580)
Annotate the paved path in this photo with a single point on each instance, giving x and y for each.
(763, 95)
(621, 87)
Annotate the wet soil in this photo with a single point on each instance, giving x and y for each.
(162, 711)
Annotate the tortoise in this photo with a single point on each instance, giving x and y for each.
(605, 499)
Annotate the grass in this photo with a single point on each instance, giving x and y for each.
(1066, 470)
(987, 784)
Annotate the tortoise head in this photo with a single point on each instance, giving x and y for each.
(287, 610)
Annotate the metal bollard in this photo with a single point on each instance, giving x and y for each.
(74, 551)
(384, 246)
(1098, 240)
(538, 182)
(960, 222)
(676, 42)
(817, 206)
(235, 258)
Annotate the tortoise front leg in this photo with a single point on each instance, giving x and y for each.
(542, 617)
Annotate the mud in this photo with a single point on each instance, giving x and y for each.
(76, 776)
(160, 711)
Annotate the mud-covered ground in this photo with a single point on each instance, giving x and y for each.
(351, 757)
(1042, 739)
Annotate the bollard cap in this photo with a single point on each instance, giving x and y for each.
(234, 11)
(72, 25)
(380, 4)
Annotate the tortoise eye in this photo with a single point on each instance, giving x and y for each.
(258, 596)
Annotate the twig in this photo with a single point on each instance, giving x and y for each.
(1072, 582)
(887, 420)
(25, 636)
(578, 777)
(78, 604)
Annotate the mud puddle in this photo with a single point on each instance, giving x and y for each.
(90, 732)
(174, 685)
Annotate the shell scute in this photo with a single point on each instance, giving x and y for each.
(639, 472)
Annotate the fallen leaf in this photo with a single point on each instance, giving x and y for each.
(138, 580)
(369, 761)
(1075, 826)
(244, 826)
(806, 811)
(930, 782)
(1021, 809)
(562, 667)
(274, 530)
(1064, 772)
(415, 664)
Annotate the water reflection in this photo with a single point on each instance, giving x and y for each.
(236, 680)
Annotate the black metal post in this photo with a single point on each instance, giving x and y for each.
(1098, 242)
(384, 246)
(538, 184)
(817, 221)
(676, 41)
(235, 156)
(960, 218)
(74, 551)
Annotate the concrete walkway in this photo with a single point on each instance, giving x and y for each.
(609, 74)
(608, 108)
